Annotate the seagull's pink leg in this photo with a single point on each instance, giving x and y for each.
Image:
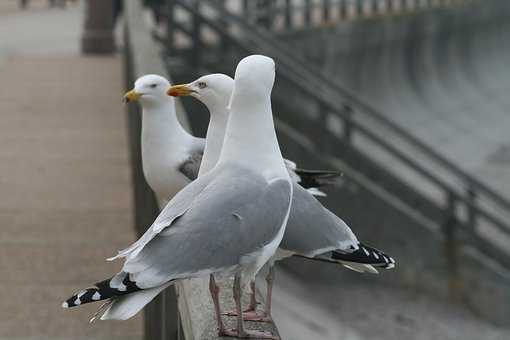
(251, 314)
(215, 293)
(253, 299)
(240, 332)
(269, 297)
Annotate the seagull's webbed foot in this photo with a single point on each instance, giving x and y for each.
(249, 310)
(241, 332)
(247, 334)
(251, 315)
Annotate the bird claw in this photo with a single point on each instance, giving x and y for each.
(234, 333)
(251, 315)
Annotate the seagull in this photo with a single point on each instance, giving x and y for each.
(171, 156)
(229, 221)
(312, 231)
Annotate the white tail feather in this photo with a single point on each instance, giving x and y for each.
(359, 267)
(124, 307)
(316, 192)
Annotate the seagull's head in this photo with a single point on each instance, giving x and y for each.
(212, 90)
(254, 79)
(149, 89)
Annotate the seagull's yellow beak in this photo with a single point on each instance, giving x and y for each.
(179, 90)
(131, 96)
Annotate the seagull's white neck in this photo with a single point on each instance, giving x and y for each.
(250, 138)
(214, 138)
(164, 140)
(160, 126)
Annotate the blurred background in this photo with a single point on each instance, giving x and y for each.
(407, 98)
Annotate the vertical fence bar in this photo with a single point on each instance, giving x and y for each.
(307, 15)
(326, 10)
(472, 216)
(287, 15)
(343, 9)
(171, 319)
(247, 10)
(264, 13)
(146, 208)
(390, 6)
(324, 143)
(373, 7)
(195, 35)
(347, 133)
(224, 43)
(451, 247)
(359, 8)
(270, 12)
(378, 7)
(169, 41)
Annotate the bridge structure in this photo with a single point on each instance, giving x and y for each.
(447, 227)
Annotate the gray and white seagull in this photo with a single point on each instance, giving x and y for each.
(312, 230)
(229, 221)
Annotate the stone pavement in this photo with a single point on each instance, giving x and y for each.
(65, 198)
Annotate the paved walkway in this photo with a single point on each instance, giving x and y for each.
(65, 198)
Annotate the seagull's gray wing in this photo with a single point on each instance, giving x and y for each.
(313, 229)
(191, 165)
(233, 217)
(177, 206)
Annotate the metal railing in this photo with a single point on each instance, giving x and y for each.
(301, 14)
(237, 33)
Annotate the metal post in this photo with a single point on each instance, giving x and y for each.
(374, 7)
(196, 36)
(451, 248)
(97, 35)
(359, 8)
(348, 112)
(170, 6)
(324, 143)
(224, 41)
(288, 12)
(390, 6)
(171, 322)
(472, 216)
(326, 10)
(307, 15)
(264, 13)
(247, 10)
(343, 9)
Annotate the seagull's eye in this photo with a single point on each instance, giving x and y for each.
(153, 86)
(202, 85)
